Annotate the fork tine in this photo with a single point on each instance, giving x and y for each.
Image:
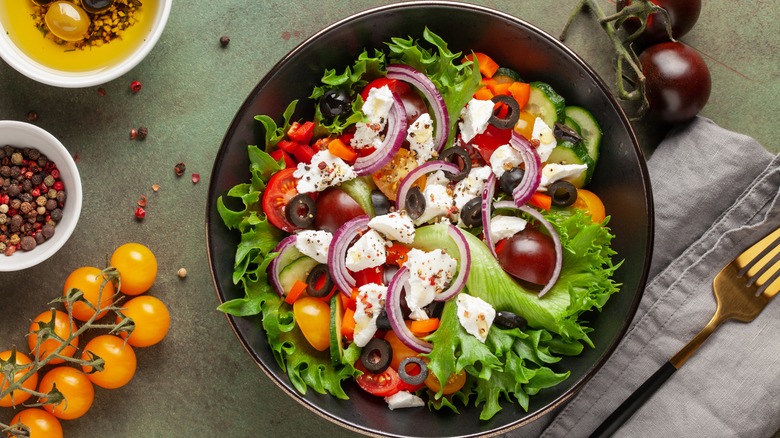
(771, 285)
(763, 267)
(748, 259)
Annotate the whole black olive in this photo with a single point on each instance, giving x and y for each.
(510, 179)
(460, 157)
(376, 355)
(562, 193)
(509, 320)
(415, 203)
(380, 202)
(300, 211)
(471, 213)
(319, 282)
(96, 6)
(382, 321)
(512, 113)
(335, 102)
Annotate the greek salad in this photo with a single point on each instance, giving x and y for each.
(427, 233)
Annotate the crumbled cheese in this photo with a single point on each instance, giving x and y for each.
(438, 202)
(471, 186)
(437, 177)
(369, 302)
(314, 244)
(369, 251)
(475, 315)
(367, 135)
(429, 274)
(474, 118)
(395, 226)
(377, 105)
(325, 170)
(420, 138)
(553, 172)
(503, 227)
(504, 158)
(404, 399)
(546, 138)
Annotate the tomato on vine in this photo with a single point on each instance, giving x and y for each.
(683, 15)
(39, 423)
(151, 319)
(76, 389)
(119, 361)
(17, 397)
(57, 325)
(95, 285)
(137, 268)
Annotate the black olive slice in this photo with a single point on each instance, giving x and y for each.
(565, 133)
(319, 282)
(300, 211)
(562, 193)
(415, 203)
(96, 6)
(376, 355)
(510, 179)
(471, 213)
(380, 202)
(512, 114)
(509, 320)
(416, 379)
(452, 155)
(335, 102)
(382, 321)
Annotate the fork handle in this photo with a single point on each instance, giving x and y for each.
(634, 402)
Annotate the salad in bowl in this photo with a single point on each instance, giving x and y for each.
(427, 233)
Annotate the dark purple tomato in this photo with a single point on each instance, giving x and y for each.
(678, 82)
(528, 255)
(333, 208)
(682, 13)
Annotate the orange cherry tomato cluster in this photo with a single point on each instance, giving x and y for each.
(89, 295)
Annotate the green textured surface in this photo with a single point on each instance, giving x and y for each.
(200, 381)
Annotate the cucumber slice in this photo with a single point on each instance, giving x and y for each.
(504, 74)
(568, 121)
(299, 269)
(566, 152)
(589, 129)
(336, 315)
(544, 102)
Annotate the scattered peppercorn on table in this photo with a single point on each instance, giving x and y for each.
(145, 145)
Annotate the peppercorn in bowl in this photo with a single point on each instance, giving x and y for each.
(40, 195)
(79, 43)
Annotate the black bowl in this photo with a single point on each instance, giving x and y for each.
(620, 179)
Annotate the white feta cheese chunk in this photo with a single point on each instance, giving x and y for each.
(471, 186)
(546, 138)
(437, 177)
(438, 202)
(420, 138)
(325, 170)
(314, 244)
(367, 135)
(369, 302)
(553, 172)
(396, 226)
(503, 227)
(475, 315)
(377, 105)
(504, 158)
(430, 272)
(474, 118)
(404, 399)
(369, 251)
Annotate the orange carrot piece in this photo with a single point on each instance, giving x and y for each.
(348, 324)
(501, 88)
(487, 66)
(297, 289)
(541, 200)
(424, 326)
(483, 93)
(521, 92)
(342, 150)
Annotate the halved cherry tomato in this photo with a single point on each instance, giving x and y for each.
(302, 133)
(589, 201)
(525, 125)
(382, 384)
(397, 254)
(281, 188)
(391, 174)
(490, 140)
(453, 384)
(313, 318)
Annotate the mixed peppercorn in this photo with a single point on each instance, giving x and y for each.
(32, 197)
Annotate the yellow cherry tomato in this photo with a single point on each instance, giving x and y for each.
(119, 361)
(137, 268)
(94, 285)
(313, 318)
(590, 202)
(75, 388)
(40, 423)
(151, 319)
(15, 398)
(62, 326)
(453, 384)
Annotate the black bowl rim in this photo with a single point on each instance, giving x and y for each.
(649, 205)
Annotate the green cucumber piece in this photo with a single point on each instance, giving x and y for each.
(589, 129)
(544, 102)
(504, 74)
(299, 269)
(336, 315)
(566, 152)
(360, 189)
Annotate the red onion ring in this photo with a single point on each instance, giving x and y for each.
(459, 282)
(416, 173)
(337, 253)
(487, 211)
(533, 165)
(394, 138)
(431, 93)
(553, 233)
(396, 317)
(275, 267)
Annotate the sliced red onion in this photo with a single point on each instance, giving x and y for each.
(416, 173)
(275, 267)
(428, 89)
(487, 212)
(553, 233)
(533, 165)
(337, 253)
(394, 138)
(396, 317)
(464, 259)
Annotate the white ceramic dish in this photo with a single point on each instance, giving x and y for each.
(20, 135)
(47, 75)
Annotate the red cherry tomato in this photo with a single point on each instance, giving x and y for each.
(281, 188)
(382, 384)
(334, 207)
(528, 255)
(682, 13)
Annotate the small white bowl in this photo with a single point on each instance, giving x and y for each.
(25, 65)
(21, 135)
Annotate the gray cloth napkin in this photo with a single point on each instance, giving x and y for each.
(716, 193)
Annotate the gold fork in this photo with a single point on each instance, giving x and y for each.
(742, 289)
